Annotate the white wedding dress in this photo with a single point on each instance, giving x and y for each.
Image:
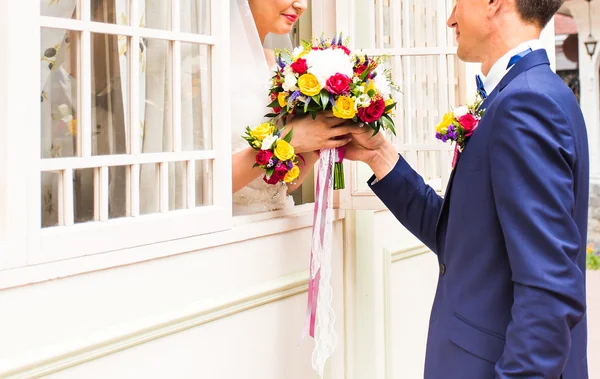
(250, 84)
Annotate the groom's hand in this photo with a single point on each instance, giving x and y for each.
(373, 150)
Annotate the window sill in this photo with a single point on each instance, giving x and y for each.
(244, 228)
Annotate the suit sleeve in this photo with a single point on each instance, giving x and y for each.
(415, 204)
(532, 162)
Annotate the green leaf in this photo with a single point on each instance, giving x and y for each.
(313, 114)
(271, 115)
(390, 107)
(270, 172)
(274, 104)
(317, 100)
(324, 99)
(388, 123)
(306, 106)
(288, 137)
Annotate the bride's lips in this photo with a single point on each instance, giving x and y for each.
(290, 17)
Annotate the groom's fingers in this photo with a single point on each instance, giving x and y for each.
(332, 144)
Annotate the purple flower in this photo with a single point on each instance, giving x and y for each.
(438, 136)
(452, 135)
(451, 128)
(444, 138)
(294, 96)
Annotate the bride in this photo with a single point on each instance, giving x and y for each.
(256, 24)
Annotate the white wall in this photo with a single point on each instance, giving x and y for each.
(227, 312)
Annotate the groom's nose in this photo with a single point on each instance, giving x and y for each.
(452, 19)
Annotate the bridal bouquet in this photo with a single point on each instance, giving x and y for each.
(326, 75)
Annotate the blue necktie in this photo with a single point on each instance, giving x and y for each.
(511, 62)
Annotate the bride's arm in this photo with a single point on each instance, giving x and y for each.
(241, 168)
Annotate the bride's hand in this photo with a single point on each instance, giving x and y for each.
(324, 132)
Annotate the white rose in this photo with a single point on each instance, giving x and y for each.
(460, 111)
(268, 142)
(289, 83)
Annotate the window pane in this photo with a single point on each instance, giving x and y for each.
(149, 189)
(177, 185)
(156, 89)
(84, 195)
(58, 8)
(195, 98)
(59, 82)
(50, 210)
(110, 11)
(109, 95)
(204, 183)
(118, 192)
(156, 14)
(195, 16)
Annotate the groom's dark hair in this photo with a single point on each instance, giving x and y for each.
(538, 12)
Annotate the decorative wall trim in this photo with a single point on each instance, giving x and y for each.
(406, 253)
(58, 357)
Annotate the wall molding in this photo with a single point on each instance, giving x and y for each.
(407, 253)
(51, 359)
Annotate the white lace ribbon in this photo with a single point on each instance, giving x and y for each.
(320, 318)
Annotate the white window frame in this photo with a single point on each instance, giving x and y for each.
(29, 243)
(355, 196)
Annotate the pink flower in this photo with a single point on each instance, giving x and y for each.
(263, 157)
(338, 84)
(469, 123)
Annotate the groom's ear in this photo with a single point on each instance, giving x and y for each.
(494, 6)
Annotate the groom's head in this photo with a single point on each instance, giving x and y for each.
(483, 25)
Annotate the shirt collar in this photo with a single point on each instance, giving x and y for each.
(499, 68)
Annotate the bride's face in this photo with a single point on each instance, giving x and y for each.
(276, 16)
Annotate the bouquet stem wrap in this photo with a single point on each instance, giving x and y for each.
(338, 174)
(320, 316)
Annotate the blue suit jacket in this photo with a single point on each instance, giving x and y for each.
(510, 236)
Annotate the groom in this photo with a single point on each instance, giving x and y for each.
(510, 232)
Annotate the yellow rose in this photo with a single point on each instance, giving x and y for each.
(292, 174)
(309, 85)
(446, 122)
(284, 151)
(262, 130)
(344, 108)
(282, 99)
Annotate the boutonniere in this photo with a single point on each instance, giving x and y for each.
(458, 125)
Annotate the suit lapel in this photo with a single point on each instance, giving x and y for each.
(533, 59)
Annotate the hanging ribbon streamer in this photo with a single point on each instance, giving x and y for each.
(320, 316)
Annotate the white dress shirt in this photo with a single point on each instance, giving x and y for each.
(499, 68)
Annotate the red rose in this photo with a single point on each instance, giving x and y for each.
(338, 84)
(300, 67)
(373, 112)
(263, 157)
(280, 171)
(272, 180)
(277, 109)
(469, 123)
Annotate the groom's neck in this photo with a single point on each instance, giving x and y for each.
(504, 37)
